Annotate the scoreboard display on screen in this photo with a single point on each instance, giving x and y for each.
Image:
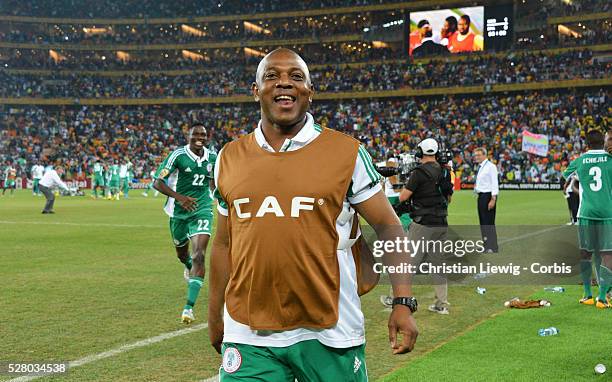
(499, 24)
(459, 30)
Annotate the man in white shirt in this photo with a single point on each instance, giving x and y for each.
(487, 188)
(49, 181)
(37, 174)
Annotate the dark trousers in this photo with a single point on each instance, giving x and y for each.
(49, 196)
(572, 203)
(486, 218)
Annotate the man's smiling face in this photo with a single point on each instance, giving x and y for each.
(283, 88)
(197, 138)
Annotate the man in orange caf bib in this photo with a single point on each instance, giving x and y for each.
(284, 296)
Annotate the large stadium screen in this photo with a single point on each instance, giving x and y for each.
(453, 30)
(459, 30)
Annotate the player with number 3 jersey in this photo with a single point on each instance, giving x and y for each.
(185, 177)
(593, 170)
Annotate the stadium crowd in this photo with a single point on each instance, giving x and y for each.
(511, 69)
(598, 32)
(333, 53)
(297, 27)
(76, 136)
(165, 8)
(565, 8)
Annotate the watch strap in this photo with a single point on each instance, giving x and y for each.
(410, 302)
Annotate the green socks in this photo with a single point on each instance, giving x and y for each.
(585, 274)
(597, 262)
(605, 281)
(195, 284)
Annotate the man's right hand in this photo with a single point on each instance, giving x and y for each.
(401, 322)
(187, 202)
(215, 332)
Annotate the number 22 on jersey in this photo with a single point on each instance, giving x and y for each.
(198, 180)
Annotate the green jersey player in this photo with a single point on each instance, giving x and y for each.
(113, 180)
(10, 176)
(593, 170)
(125, 176)
(97, 179)
(185, 177)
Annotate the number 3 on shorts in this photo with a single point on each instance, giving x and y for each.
(203, 225)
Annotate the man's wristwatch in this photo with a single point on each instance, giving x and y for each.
(410, 302)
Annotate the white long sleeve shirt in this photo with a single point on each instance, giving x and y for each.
(52, 180)
(487, 178)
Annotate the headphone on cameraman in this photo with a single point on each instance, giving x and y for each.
(427, 146)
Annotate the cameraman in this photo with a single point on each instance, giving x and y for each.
(428, 191)
(392, 187)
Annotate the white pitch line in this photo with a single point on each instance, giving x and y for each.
(121, 349)
(214, 378)
(84, 224)
(550, 229)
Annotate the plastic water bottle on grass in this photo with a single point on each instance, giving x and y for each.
(552, 331)
(556, 289)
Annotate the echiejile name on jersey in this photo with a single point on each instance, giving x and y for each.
(189, 175)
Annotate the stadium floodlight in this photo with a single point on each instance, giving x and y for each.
(255, 28)
(192, 31)
(392, 23)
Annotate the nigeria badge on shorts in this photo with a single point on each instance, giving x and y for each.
(232, 359)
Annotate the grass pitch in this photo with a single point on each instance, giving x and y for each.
(102, 274)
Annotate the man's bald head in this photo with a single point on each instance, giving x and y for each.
(281, 53)
(283, 89)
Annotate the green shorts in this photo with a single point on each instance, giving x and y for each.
(98, 182)
(184, 229)
(305, 361)
(114, 183)
(9, 184)
(595, 235)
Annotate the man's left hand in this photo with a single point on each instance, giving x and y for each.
(402, 322)
(491, 204)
